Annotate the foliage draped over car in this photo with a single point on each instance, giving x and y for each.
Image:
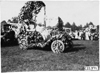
(29, 8)
(13, 20)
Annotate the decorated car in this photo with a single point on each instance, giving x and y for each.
(30, 33)
(59, 41)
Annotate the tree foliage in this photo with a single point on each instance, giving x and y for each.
(74, 27)
(60, 24)
(2, 25)
(91, 23)
(79, 27)
(87, 25)
(68, 25)
(97, 28)
(3, 22)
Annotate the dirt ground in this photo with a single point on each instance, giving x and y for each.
(84, 53)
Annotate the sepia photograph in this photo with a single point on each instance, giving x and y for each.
(40, 35)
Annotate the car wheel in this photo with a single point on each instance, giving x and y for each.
(23, 43)
(57, 46)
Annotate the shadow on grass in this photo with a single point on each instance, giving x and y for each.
(76, 47)
(46, 48)
(9, 44)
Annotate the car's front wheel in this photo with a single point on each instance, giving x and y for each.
(57, 46)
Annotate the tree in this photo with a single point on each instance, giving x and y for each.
(87, 25)
(60, 24)
(9, 20)
(79, 27)
(97, 28)
(74, 27)
(68, 25)
(3, 22)
(91, 23)
(2, 25)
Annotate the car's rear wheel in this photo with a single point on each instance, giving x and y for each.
(23, 43)
(57, 46)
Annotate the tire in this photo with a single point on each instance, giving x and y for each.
(70, 46)
(23, 43)
(57, 46)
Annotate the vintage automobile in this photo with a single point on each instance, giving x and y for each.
(30, 33)
(59, 41)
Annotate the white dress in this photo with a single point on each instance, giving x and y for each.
(87, 35)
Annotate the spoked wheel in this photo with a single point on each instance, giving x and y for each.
(23, 43)
(57, 46)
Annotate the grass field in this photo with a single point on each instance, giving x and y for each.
(84, 53)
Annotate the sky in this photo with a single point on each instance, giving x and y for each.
(80, 12)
